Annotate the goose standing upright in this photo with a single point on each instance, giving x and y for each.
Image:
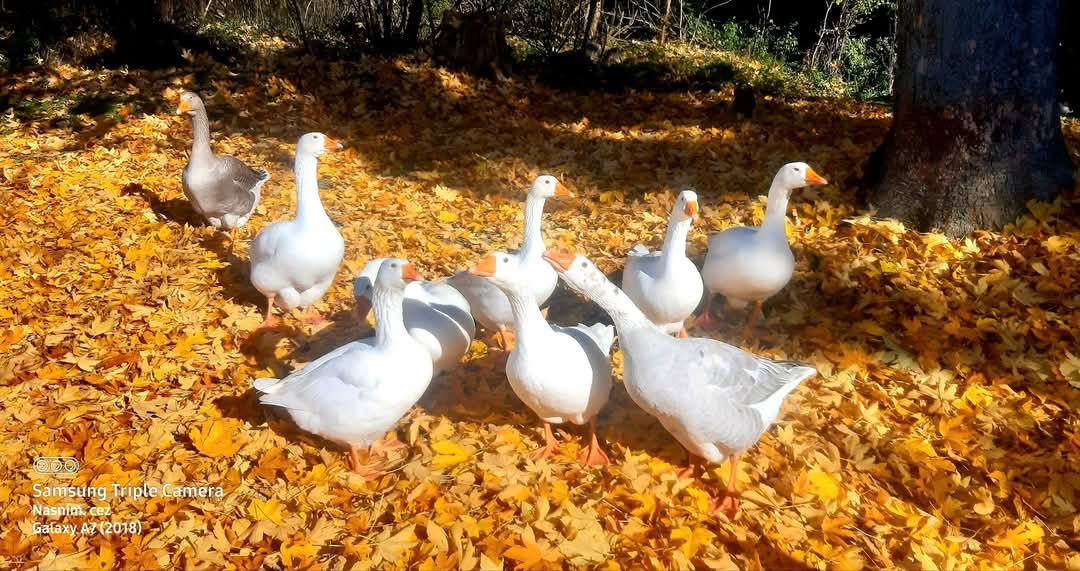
(749, 265)
(436, 315)
(562, 373)
(293, 262)
(715, 399)
(489, 304)
(221, 188)
(665, 284)
(354, 394)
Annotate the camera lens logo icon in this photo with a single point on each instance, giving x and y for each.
(56, 465)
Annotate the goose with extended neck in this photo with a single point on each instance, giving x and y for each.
(749, 265)
(355, 394)
(489, 304)
(436, 315)
(562, 373)
(293, 262)
(665, 284)
(715, 399)
(221, 188)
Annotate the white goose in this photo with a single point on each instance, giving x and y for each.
(355, 394)
(562, 373)
(436, 315)
(221, 188)
(293, 262)
(749, 265)
(665, 284)
(715, 399)
(489, 304)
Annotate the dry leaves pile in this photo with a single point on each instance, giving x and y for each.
(941, 433)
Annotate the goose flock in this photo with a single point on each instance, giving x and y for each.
(715, 399)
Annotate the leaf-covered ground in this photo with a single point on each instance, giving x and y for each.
(941, 432)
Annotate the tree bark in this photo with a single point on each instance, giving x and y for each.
(664, 21)
(975, 131)
(592, 22)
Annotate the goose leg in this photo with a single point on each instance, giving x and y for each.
(311, 316)
(368, 471)
(682, 334)
(593, 455)
(503, 338)
(384, 445)
(268, 318)
(550, 447)
(693, 463)
(751, 321)
(707, 322)
(729, 505)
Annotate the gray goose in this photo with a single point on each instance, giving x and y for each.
(221, 188)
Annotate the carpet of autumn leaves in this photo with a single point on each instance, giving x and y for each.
(941, 431)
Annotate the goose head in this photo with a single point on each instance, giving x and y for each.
(686, 206)
(577, 271)
(316, 145)
(797, 175)
(190, 104)
(395, 274)
(501, 268)
(547, 186)
(362, 288)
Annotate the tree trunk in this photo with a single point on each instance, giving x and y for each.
(412, 24)
(975, 131)
(592, 22)
(664, 21)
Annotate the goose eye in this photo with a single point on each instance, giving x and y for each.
(584, 264)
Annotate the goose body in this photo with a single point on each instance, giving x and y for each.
(356, 393)
(489, 305)
(221, 188)
(749, 265)
(715, 399)
(562, 373)
(665, 284)
(436, 315)
(293, 262)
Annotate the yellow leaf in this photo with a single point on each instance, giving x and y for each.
(437, 536)
(394, 547)
(270, 510)
(447, 216)
(218, 438)
(1020, 537)
(298, 555)
(824, 485)
(692, 539)
(448, 453)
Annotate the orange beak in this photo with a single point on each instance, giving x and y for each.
(332, 145)
(409, 273)
(691, 209)
(561, 261)
(563, 192)
(485, 268)
(814, 178)
(183, 107)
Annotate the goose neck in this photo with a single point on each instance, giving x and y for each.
(389, 316)
(200, 144)
(776, 211)
(622, 310)
(675, 242)
(308, 204)
(528, 321)
(533, 243)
